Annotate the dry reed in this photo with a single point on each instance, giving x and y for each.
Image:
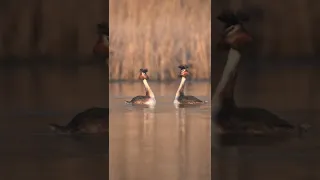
(49, 27)
(159, 35)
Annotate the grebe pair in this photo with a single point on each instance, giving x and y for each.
(180, 97)
(230, 117)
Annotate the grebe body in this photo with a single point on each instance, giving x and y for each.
(91, 121)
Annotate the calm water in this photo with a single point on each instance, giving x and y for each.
(163, 143)
(160, 143)
(280, 159)
(33, 97)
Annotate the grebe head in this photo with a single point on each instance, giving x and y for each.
(103, 32)
(183, 71)
(234, 36)
(143, 74)
(101, 47)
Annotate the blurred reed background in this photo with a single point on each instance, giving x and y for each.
(280, 29)
(159, 35)
(50, 28)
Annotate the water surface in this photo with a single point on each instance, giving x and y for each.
(160, 143)
(31, 97)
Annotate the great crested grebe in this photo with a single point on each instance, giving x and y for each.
(229, 116)
(101, 47)
(91, 121)
(149, 98)
(180, 97)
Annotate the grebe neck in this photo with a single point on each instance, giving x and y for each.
(149, 91)
(105, 40)
(181, 87)
(229, 69)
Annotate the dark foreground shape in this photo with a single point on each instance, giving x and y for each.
(91, 121)
(235, 120)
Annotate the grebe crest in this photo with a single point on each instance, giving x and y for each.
(143, 74)
(230, 18)
(183, 71)
(180, 97)
(149, 98)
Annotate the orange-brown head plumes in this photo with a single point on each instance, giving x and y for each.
(143, 74)
(101, 47)
(235, 35)
(183, 71)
